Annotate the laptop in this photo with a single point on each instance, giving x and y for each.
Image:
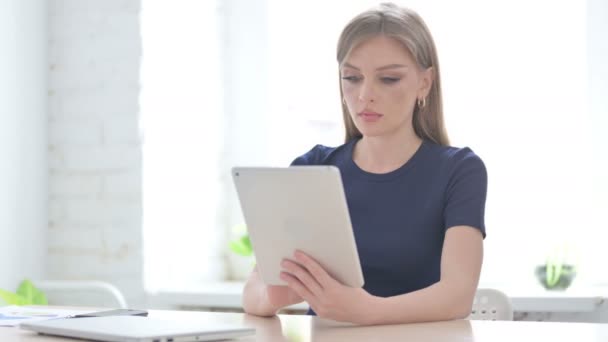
(137, 329)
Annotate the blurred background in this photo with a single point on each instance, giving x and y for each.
(120, 121)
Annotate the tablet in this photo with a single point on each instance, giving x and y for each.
(298, 208)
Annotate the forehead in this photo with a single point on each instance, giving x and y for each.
(379, 51)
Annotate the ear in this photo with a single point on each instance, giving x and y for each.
(425, 82)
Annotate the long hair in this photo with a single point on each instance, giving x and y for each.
(407, 27)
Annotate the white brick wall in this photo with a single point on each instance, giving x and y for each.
(94, 144)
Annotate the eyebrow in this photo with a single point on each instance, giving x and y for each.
(389, 66)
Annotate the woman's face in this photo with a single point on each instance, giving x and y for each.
(380, 83)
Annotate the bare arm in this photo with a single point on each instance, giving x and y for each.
(265, 300)
(451, 297)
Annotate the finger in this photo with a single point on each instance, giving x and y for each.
(303, 275)
(315, 269)
(298, 287)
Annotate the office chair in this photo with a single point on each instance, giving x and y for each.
(493, 305)
(82, 293)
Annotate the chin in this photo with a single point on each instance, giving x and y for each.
(367, 132)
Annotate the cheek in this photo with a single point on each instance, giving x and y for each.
(349, 90)
(399, 96)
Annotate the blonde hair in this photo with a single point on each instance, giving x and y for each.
(407, 27)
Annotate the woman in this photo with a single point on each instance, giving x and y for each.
(416, 204)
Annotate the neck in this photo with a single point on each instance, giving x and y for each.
(383, 154)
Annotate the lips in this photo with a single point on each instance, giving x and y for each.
(369, 116)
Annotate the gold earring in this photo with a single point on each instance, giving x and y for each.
(344, 101)
(421, 102)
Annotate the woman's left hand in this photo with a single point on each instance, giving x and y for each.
(326, 296)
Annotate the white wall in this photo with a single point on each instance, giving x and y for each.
(23, 140)
(597, 50)
(94, 144)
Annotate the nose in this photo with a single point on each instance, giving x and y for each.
(367, 93)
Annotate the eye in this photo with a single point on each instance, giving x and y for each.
(352, 79)
(390, 80)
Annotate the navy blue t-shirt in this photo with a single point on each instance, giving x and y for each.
(400, 218)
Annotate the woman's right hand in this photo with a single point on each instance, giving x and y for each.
(282, 296)
(265, 300)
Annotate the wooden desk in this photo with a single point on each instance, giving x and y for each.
(590, 303)
(306, 328)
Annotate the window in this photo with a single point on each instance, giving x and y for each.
(181, 105)
(520, 87)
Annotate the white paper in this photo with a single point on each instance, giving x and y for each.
(11, 316)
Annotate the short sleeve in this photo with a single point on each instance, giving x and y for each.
(301, 160)
(466, 192)
(315, 156)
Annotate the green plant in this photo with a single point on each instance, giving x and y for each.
(558, 271)
(27, 294)
(242, 244)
